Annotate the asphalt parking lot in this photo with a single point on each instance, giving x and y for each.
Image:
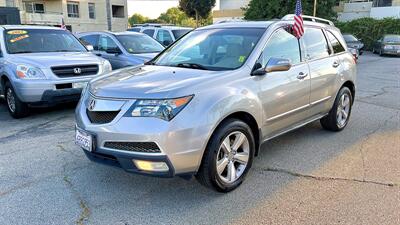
(309, 176)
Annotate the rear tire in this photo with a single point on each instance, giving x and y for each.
(15, 106)
(339, 116)
(228, 156)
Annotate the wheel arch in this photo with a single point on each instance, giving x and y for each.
(3, 80)
(349, 84)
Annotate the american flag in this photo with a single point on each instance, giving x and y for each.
(298, 20)
(63, 24)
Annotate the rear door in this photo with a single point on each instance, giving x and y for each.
(285, 95)
(324, 68)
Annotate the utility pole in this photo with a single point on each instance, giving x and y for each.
(315, 8)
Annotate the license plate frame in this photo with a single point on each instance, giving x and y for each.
(79, 85)
(84, 140)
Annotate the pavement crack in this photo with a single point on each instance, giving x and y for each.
(85, 210)
(323, 178)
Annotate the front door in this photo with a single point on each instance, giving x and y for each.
(285, 95)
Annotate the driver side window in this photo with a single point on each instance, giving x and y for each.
(106, 43)
(281, 45)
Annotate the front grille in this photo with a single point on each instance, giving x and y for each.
(101, 117)
(75, 71)
(149, 147)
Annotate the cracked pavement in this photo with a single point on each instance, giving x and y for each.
(308, 176)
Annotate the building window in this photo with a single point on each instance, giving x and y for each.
(73, 9)
(92, 11)
(382, 3)
(32, 7)
(118, 11)
(10, 3)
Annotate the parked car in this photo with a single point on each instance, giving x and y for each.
(354, 42)
(43, 66)
(164, 34)
(204, 106)
(122, 49)
(389, 44)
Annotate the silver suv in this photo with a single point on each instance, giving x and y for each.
(204, 106)
(43, 66)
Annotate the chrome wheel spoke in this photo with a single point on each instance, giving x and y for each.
(241, 157)
(346, 101)
(226, 145)
(221, 165)
(231, 172)
(344, 114)
(239, 139)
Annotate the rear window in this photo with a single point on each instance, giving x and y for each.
(134, 29)
(316, 45)
(336, 45)
(179, 33)
(149, 32)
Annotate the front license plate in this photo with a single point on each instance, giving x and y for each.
(79, 85)
(83, 140)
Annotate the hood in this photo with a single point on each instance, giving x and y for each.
(151, 82)
(47, 60)
(145, 57)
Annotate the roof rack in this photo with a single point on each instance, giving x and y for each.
(152, 25)
(309, 18)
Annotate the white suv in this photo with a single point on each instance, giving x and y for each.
(166, 35)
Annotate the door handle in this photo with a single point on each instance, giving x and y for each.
(302, 75)
(335, 64)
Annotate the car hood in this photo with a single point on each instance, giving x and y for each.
(145, 57)
(151, 82)
(47, 60)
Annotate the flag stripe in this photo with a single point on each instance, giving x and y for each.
(298, 20)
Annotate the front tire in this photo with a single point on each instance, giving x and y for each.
(339, 115)
(228, 156)
(15, 106)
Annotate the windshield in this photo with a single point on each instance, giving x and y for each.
(179, 33)
(349, 38)
(139, 44)
(41, 40)
(212, 49)
(392, 38)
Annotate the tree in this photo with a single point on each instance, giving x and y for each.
(176, 16)
(273, 9)
(197, 9)
(137, 19)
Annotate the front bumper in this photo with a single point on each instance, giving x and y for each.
(48, 91)
(391, 52)
(181, 141)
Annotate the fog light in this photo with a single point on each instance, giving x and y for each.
(151, 166)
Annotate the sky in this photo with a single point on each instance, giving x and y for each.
(150, 8)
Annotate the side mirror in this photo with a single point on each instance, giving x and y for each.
(89, 48)
(273, 65)
(115, 51)
(166, 43)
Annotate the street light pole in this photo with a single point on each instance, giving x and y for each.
(315, 8)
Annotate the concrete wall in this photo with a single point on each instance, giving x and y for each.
(355, 10)
(233, 4)
(382, 12)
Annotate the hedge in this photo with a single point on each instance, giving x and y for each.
(369, 29)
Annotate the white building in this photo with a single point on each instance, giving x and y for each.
(354, 9)
(229, 9)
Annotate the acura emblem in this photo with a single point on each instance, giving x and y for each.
(77, 71)
(92, 104)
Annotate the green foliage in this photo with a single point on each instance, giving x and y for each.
(273, 9)
(137, 19)
(369, 29)
(202, 7)
(178, 17)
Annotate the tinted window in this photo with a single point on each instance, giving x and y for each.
(315, 42)
(349, 38)
(336, 45)
(106, 43)
(281, 45)
(149, 32)
(164, 37)
(139, 43)
(134, 29)
(39, 40)
(180, 33)
(212, 49)
(91, 40)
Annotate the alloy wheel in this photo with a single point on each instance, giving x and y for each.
(10, 100)
(343, 110)
(232, 157)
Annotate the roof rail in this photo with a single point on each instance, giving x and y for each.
(309, 18)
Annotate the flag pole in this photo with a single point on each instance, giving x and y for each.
(315, 8)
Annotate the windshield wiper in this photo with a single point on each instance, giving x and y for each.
(21, 52)
(192, 66)
(64, 50)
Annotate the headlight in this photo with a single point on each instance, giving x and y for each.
(107, 66)
(165, 109)
(29, 72)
